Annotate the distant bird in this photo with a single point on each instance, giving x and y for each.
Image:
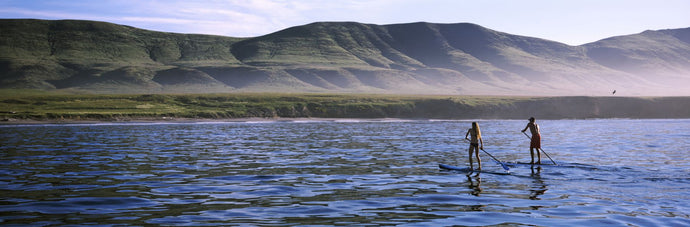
(614, 92)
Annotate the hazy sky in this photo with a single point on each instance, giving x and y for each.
(571, 22)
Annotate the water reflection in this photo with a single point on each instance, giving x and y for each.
(538, 186)
(474, 183)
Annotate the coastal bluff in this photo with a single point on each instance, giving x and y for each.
(165, 107)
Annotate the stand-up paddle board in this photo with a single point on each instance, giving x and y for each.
(468, 170)
(560, 165)
(511, 164)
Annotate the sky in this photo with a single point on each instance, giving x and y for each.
(570, 22)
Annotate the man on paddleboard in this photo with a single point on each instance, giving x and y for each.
(535, 144)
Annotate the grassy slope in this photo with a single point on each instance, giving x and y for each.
(418, 58)
(97, 55)
(93, 42)
(39, 105)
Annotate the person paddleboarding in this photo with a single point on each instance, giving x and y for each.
(476, 143)
(535, 144)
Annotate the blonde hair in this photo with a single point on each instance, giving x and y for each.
(478, 132)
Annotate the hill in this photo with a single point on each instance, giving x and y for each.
(342, 57)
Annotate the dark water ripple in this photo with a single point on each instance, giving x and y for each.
(610, 172)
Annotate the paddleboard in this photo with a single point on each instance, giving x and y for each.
(560, 165)
(512, 164)
(467, 170)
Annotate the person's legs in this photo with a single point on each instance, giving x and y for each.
(470, 154)
(536, 145)
(531, 153)
(479, 161)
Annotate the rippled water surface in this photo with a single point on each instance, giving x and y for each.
(616, 172)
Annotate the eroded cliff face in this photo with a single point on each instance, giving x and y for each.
(48, 107)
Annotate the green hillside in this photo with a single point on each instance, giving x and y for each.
(97, 55)
(342, 57)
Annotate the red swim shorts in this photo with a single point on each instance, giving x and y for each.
(536, 141)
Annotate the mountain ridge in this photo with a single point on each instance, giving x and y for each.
(340, 57)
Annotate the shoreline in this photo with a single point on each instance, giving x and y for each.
(169, 120)
(207, 120)
(130, 120)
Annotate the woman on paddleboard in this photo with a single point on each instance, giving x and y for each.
(535, 144)
(476, 143)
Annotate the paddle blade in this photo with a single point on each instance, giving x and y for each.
(504, 166)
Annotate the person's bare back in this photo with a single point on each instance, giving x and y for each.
(533, 128)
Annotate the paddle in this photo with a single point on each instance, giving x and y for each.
(499, 162)
(542, 150)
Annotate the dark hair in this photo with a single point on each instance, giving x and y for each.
(531, 119)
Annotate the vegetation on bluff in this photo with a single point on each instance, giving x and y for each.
(45, 106)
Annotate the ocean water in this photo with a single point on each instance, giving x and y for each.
(615, 172)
